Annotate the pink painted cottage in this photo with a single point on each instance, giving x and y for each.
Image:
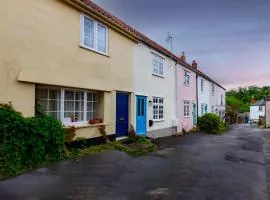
(186, 95)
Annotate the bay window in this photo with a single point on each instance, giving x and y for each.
(72, 107)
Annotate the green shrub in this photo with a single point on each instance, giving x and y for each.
(211, 123)
(28, 142)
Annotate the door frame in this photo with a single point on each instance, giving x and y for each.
(117, 134)
(145, 113)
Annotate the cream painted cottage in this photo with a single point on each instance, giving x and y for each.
(87, 68)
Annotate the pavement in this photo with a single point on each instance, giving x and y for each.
(233, 166)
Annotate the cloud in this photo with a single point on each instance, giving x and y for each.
(229, 39)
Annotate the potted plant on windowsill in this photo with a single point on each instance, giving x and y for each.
(95, 121)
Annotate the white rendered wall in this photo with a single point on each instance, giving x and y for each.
(203, 96)
(255, 113)
(215, 99)
(149, 85)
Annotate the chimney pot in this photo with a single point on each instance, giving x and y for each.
(194, 64)
(183, 57)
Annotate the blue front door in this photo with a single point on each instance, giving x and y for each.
(141, 115)
(122, 119)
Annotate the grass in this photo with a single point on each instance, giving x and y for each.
(139, 147)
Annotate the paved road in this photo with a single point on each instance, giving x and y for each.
(233, 166)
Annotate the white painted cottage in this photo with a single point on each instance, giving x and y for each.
(256, 110)
(203, 92)
(155, 93)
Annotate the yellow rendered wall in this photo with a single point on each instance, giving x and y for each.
(40, 43)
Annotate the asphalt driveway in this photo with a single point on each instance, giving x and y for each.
(233, 166)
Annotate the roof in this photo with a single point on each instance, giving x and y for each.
(267, 98)
(208, 78)
(140, 37)
(259, 103)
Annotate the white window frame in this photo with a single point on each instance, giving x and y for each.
(202, 85)
(85, 101)
(213, 89)
(96, 23)
(186, 108)
(158, 104)
(160, 60)
(186, 78)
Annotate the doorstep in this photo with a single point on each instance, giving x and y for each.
(121, 138)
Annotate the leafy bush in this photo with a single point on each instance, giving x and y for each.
(211, 123)
(28, 142)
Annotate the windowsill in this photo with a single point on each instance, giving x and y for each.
(84, 125)
(93, 50)
(158, 75)
(158, 120)
(187, 117)
(188, 85)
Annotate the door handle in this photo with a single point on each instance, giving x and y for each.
(122, 119)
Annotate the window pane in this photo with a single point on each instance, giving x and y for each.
(89, 96)
(160, 69)
(142, 113)
(139, 107)
(49, 100)
(79, 116)
(89, 106)
(90, 115)
(69, 106)
(42, 94)
(155, 66)
(55, 114)
(88, 32)
(92, 106)
(79, 105)
(54, 105)
(101, 38)
(69, 96)
(54, 94)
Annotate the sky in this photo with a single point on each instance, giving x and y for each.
(229, 39)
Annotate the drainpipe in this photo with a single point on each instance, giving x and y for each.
(176, 96)
(197, 98)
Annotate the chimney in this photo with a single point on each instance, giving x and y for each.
(183, 57)
(194, 64)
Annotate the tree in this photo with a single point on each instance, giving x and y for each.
(239, 100)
